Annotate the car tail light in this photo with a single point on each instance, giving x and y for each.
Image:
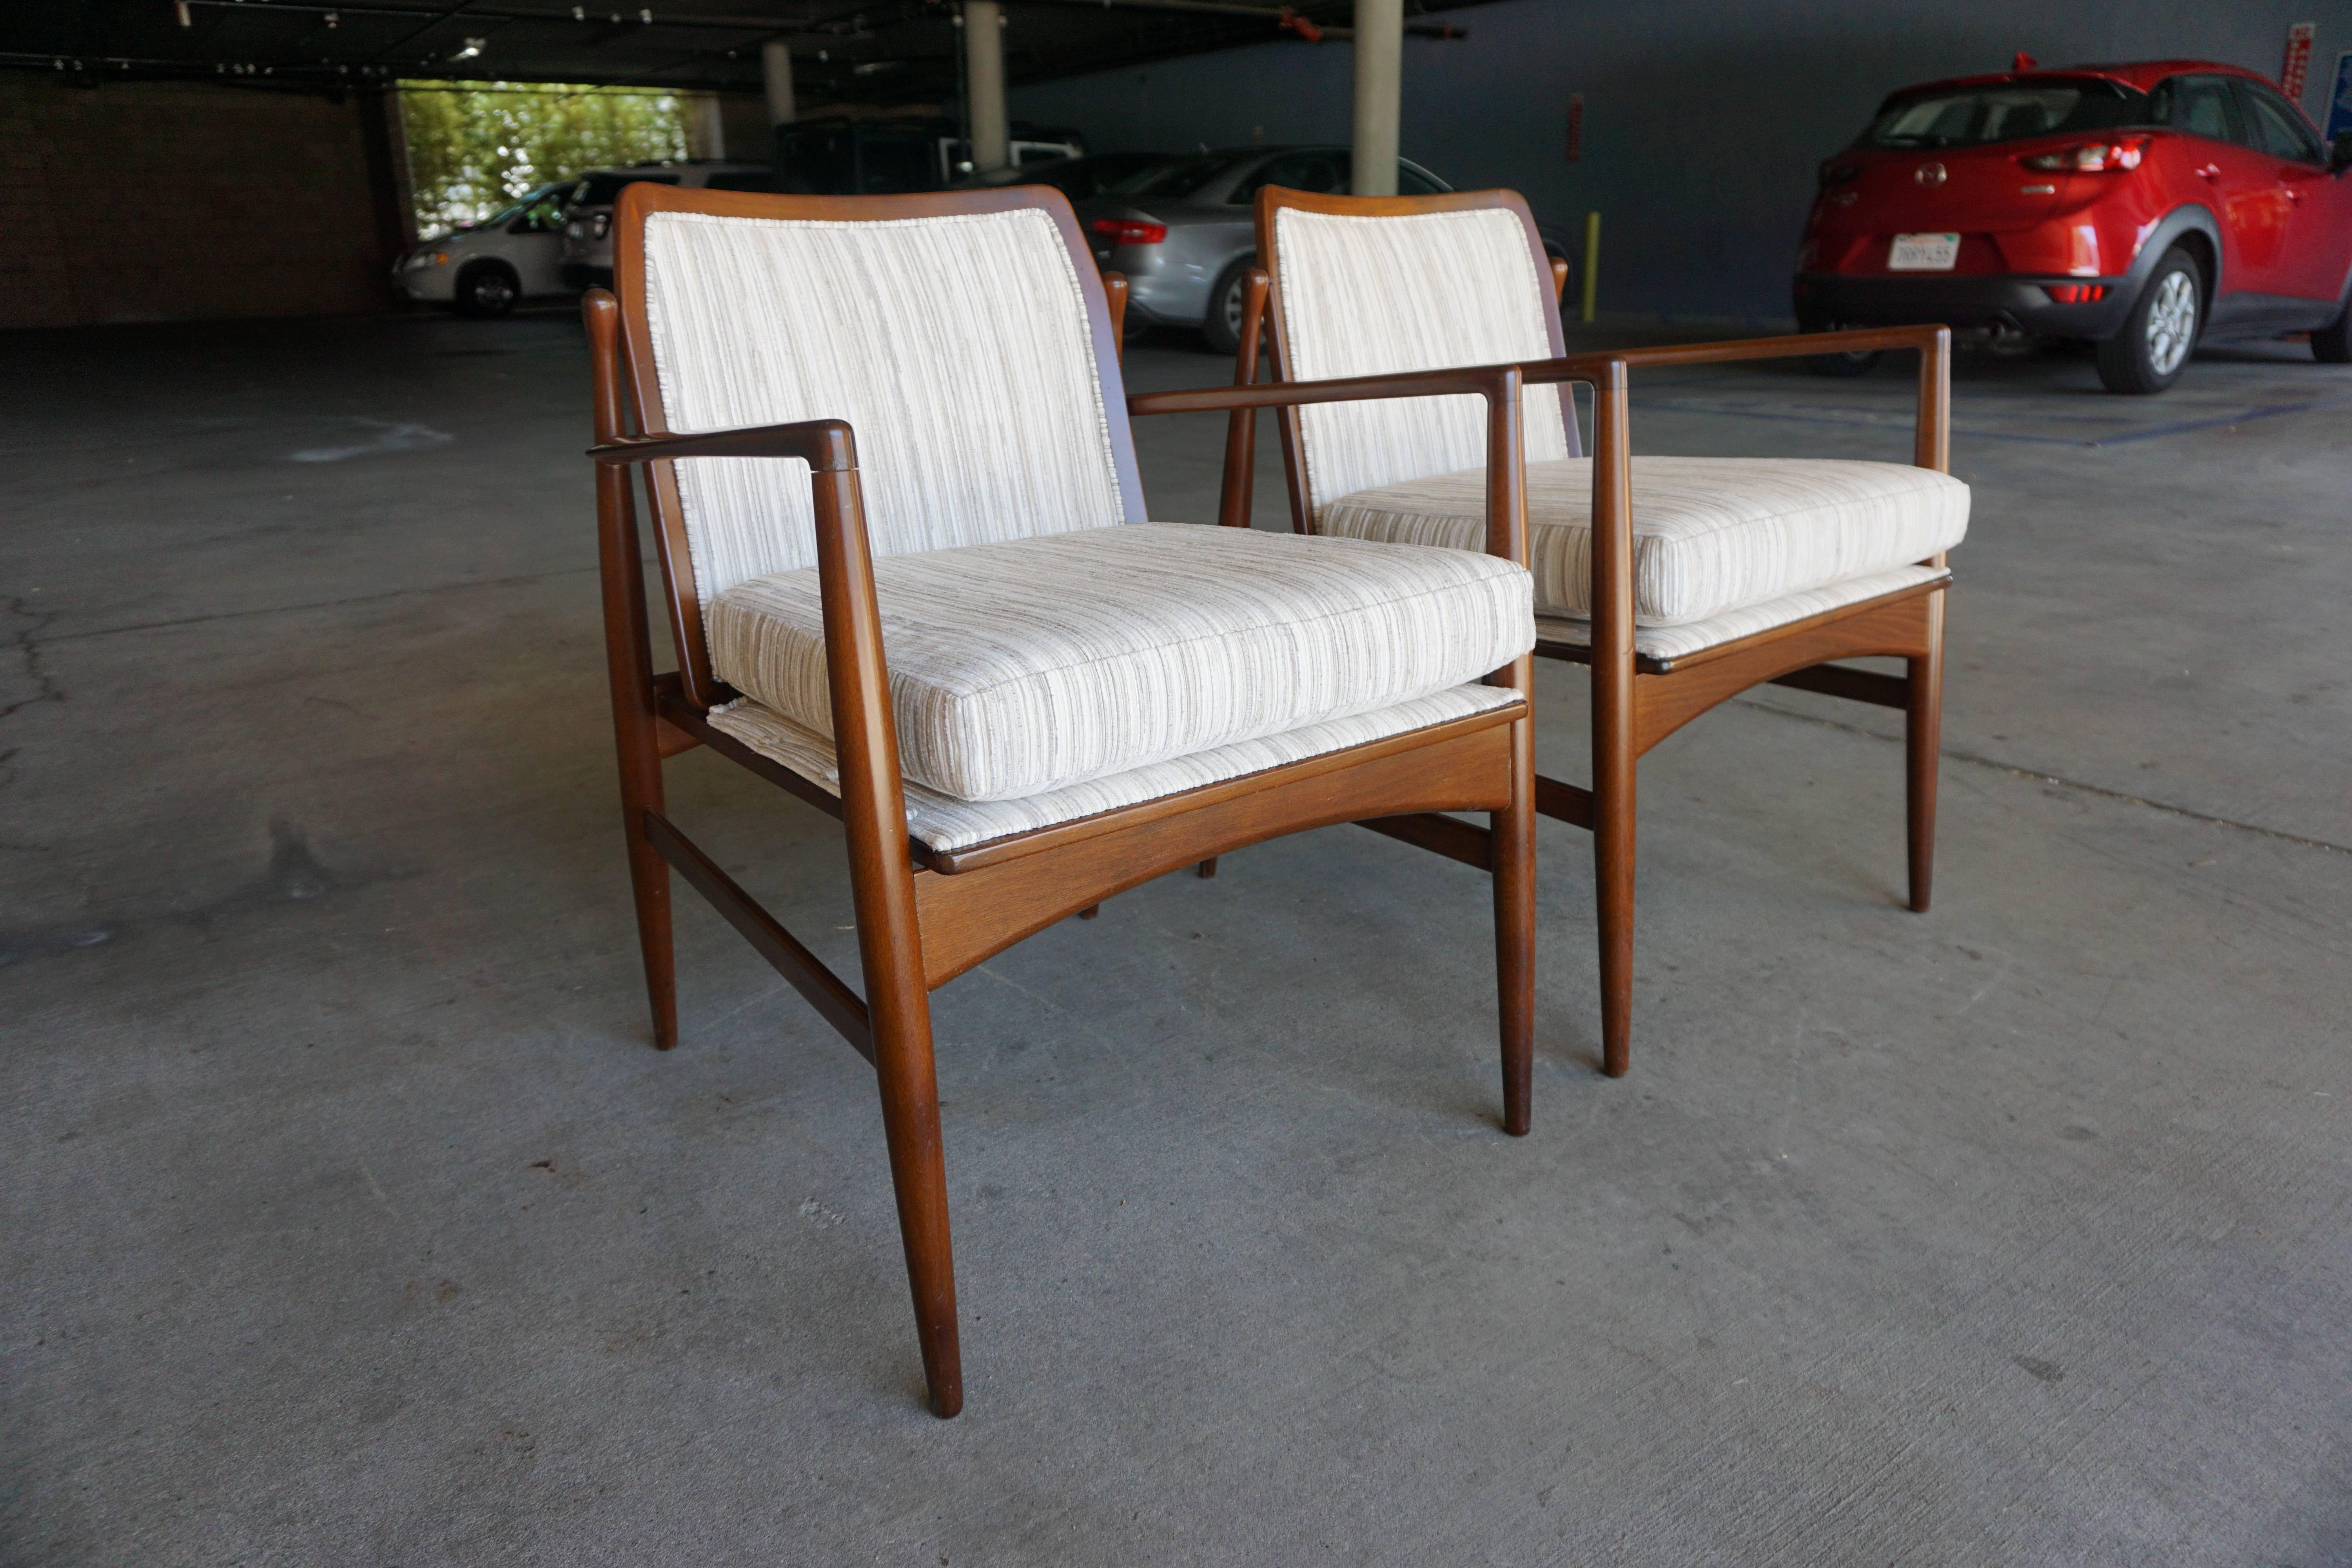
(1129, 231)
(2075, 293)
(2091, 158)
(1837, 173)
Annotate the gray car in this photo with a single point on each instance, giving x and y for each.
(1184, 231)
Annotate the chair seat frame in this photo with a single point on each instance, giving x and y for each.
(925, 916)
(1639, 701)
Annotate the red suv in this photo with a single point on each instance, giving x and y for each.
(2141, 207)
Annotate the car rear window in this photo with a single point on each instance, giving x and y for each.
(603, 190)
(2003, 112)
(1174, 181)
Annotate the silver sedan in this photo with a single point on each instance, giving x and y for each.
(1182, 231)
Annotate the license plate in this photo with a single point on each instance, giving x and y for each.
(1924, 253)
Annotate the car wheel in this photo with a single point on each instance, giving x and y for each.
(1134, 324)
(2160, 331)
(2332, 345)
(1836, 365)
(486, 289)
(1222, 326)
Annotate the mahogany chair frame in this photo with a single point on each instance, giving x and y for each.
(924, 917)
(1639, 701)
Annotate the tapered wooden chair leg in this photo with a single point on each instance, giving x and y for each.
(1923, 732)
(649, 880)
(1514, 851)
(1613, 865)
(919, 1174)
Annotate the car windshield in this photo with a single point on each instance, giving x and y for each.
(1174, 181)
(2003, 112)
(603, 190)
(1080, 179)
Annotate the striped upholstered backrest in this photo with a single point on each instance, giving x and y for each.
(956, 344)
(1361, 294)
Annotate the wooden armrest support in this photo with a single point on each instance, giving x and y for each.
(826, 446)
(1592, 367)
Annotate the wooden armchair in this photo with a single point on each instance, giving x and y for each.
(908, 572)
(1680, 581)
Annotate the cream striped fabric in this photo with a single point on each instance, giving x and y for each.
(1710, 534)
(1373, 296)
(956, 347)
(1669, 644)
(1027, 667)
(944, 822)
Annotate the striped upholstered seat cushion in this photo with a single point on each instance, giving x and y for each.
(1711, 535)
(943, 822)
(1032, 665)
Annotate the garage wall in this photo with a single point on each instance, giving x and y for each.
(1703, 125)
(162, 201)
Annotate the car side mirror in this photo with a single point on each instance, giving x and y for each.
(2339, 156)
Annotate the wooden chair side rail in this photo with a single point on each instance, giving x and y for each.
(924, 917)
(1638, 701)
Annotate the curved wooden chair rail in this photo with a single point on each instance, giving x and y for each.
(1638, 700)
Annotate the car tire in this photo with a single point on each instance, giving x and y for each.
(2332, 345)
(1135, 325)
(487, 289)
(1837, 366)
(2159, 331)
(1222, 327)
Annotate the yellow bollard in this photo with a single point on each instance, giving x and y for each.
(1591, 262)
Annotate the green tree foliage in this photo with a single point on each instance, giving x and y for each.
(472, 152)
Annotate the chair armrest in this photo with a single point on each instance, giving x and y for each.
(1499, 385)
(1483, 380)
(1932, 429)
(826, 446)
(858, 676)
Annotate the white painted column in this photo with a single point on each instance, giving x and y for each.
(706, 133)
(776, 69)
(1380, 75)
(983, 44)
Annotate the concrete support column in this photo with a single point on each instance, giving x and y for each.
(984, 46)
(706, 132)
(1380, 75)
(776, 69)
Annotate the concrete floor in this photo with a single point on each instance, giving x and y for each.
(350, 1218)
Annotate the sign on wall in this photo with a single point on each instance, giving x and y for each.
(2339, 104)
(2298, 60)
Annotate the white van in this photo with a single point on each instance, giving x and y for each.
(482, 269)
(587, 260)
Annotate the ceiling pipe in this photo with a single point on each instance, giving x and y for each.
(1284, 16)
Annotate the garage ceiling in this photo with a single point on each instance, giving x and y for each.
(884, 51)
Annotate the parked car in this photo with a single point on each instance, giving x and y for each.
(2142, 207)
(1081, 179)
(849, 157)
(483, 268)
(1184, 232)
(588, 228)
